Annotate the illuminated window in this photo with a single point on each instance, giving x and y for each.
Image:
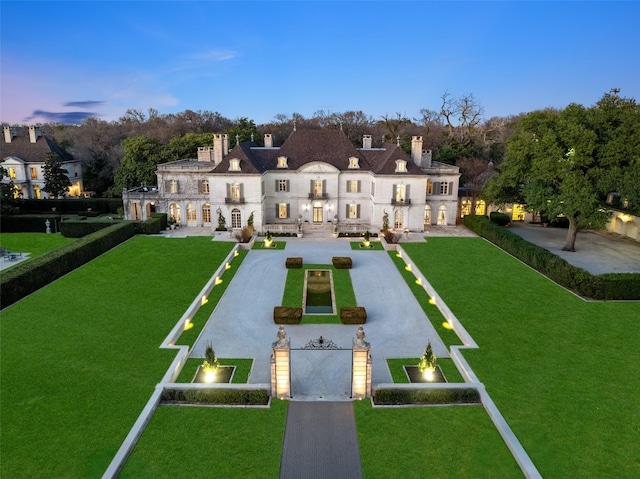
(174, 212)
(206, 213)
(427, 215)
(283, 210)
(36, 191)
(518, 212)
(204, 186)
(317, 213)
(401, 166)
(354, 162)
(235, 191)
(12, 173)
(429, 187)
(317, 187)
(282, 162)
(466, 208)
(481, 207)
(234, 164)
(442, 215)
(34, 173)
(353, 211)
(191, 213)
(400, 193)
(236, 218)
(397, 223)
(353, 186)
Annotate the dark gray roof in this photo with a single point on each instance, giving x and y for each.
(22, 148)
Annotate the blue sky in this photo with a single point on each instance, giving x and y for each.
(64, 61)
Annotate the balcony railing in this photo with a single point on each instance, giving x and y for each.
(318, 196)
(395, 201)
(234, 201)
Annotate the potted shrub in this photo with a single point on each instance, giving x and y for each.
(336, 232)
(299, 226)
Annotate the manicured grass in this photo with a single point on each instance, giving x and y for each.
(33, 243)
(205, 442)
(240, 376)
(447, 335)
(80, 358)
(375, 246)
(563, 371)
(200, 319)
(294, 289)
(399, 375)
(419, 442)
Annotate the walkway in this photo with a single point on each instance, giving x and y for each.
(320, 442)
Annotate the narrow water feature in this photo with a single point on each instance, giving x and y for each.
(318, 292)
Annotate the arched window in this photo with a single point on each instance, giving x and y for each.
(236, 218)
(206, 214)
(191, 213)
(397, 223)
(481, 207)
(174, 212)
(135, 211)
(442, 215)
(466, 208)
(427, 215)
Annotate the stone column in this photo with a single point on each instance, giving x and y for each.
(281, 366)
(361, 364)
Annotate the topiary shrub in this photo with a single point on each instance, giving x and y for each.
(293, 263)
(341, 262)
(286, 315)
(499, 218)
(353, 315)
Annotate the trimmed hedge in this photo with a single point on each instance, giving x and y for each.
(29, 223)
(353, 315)
(293, 263)
(29, 276)
(80, 228)
(70, 205)
(396, 397)
(242, 397)
(613, 286)
(285, 315)
(342, 262)
(499, 218)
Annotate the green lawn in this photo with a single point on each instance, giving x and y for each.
(205, 442)
(33, 243)
(294, 289)
(563, 372)
(442, 442)
(80, 357)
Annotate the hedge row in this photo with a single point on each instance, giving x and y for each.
(396, 397)
(30, 223)
(29, 276)
(243, 397)
(353, 315)
(342, 262)
(70, 205)
(285, 315)
(614, 286)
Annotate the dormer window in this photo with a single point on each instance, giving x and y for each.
(401, 166)
(234, 164)
(354, 162)
(282, 162)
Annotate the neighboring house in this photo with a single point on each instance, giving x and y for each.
(316, 177)
(24, 157)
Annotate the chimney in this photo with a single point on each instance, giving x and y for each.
(225, 144)
(34, 133)
(218, 142)
(268, 140)
(9, 133)
(426, 159)
(366, 142)
(205, 153)
(416, 150)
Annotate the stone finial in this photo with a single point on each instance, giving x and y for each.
(282, 337)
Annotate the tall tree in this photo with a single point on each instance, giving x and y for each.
(138, 167)
(564, 163)
(56, 178)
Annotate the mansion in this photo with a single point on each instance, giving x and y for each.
(316, 179)
(24, 156)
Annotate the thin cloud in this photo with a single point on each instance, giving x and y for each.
(214, 55)
(67, 118)
(84, 104)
